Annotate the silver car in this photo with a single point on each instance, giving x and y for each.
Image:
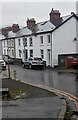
(2, 63)
(35, 62)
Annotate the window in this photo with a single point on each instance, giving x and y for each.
(42, 54)
(12, 42)
(48, 38)
(31, 53)
(41, 39)
(4, 52)
(19, 53)
(7, 42)
(7, 52)
(25, 41)
(31, 42)
(4, 43)
(12, 52)
(19, 43)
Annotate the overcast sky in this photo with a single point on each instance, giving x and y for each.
(18, 12)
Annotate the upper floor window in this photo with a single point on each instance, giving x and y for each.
(4, 43)
(9, 43)
(41, 39)
(12, 42)
(31, 42)
(25, 41)
(19, 42)
(48, 38)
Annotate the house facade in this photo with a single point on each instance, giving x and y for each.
(8, 45)
(65, 39)
(1, 47)
(47, 39)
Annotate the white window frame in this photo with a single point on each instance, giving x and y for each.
(19, 53)
(31, 54)
(25, 41)
(48, 39)
(30, 41)
(19, 42)
(42, 53)
(41, 40)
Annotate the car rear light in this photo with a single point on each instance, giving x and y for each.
(33, 62)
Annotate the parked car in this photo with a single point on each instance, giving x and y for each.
(8, 59)
(75, 62)
(2, 63)
(34, 62)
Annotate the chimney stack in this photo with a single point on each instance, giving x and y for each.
(30, 22)
(15, 28)
(55, 17)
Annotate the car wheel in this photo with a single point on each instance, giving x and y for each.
(30, 66)
(23, 66)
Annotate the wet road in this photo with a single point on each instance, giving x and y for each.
(62, 81)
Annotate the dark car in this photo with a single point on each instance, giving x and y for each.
(8, 59)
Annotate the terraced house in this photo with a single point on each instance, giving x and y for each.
(48, 39)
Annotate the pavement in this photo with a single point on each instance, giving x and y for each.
(32, 108)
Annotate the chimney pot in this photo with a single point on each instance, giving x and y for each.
(55, 17)
(30, 22)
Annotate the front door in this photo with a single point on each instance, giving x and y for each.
(49, 56)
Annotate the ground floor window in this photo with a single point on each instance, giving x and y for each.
(25, 52)
(13, 53)
(31, 53)
(7, 52)
(4, 52)
(19, 53)
(42, 53)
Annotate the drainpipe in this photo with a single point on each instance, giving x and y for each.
(51, 48)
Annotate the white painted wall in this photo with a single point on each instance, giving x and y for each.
(77, 36)
(62, 40)
(0, 47)
(17, 47)
(36, 47)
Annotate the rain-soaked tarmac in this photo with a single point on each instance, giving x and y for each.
(63, 81)
(41, 107)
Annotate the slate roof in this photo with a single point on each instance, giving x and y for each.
(11, 34)
(40, 28)
(1, 36)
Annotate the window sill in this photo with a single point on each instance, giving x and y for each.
(41, 45)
